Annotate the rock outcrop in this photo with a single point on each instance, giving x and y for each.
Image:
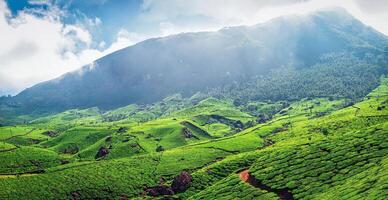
(102, 152)
(181, 182)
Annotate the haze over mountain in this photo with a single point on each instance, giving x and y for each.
(191, 62)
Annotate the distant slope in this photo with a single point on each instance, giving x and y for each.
(192, 62)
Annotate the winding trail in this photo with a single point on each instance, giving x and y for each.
(283, 194)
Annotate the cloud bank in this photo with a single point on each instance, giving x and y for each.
(36, 46)
(216, 14)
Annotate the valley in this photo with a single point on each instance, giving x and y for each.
(313, 148)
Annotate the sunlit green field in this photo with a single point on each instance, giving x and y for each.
(314, 148)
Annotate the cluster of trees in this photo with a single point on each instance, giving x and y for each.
(336, 76)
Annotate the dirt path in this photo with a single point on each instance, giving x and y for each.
(283, 194)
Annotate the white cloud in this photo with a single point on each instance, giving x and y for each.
(101, 45)
(370, 15)
(221, 13)
(224, 11)
(93, 22)
(77, 34)
(32, 49)
(168, 28)
(39, 2)
(35, 49)
(374, 13)
(124, 39)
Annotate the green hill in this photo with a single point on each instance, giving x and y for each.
(314, 148)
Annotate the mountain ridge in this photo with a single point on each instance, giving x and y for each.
(187, 63)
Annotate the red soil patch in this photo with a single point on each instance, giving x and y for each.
(244, 175)
(283, 194)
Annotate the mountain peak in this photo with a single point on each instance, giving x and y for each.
(191, 62)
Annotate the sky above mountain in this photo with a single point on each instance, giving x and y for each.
(42, 39)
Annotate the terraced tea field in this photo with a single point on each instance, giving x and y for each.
(310, 149)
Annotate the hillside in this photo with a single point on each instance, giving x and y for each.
(316, 148)
(309, 47)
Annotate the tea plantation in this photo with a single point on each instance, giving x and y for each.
(315, 148)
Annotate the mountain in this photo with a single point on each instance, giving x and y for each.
(295, 108)
(190, 62)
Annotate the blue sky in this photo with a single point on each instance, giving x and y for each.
(116, 14)
(42, 39)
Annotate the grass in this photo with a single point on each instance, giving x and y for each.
(315, 148)
(28, 160)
